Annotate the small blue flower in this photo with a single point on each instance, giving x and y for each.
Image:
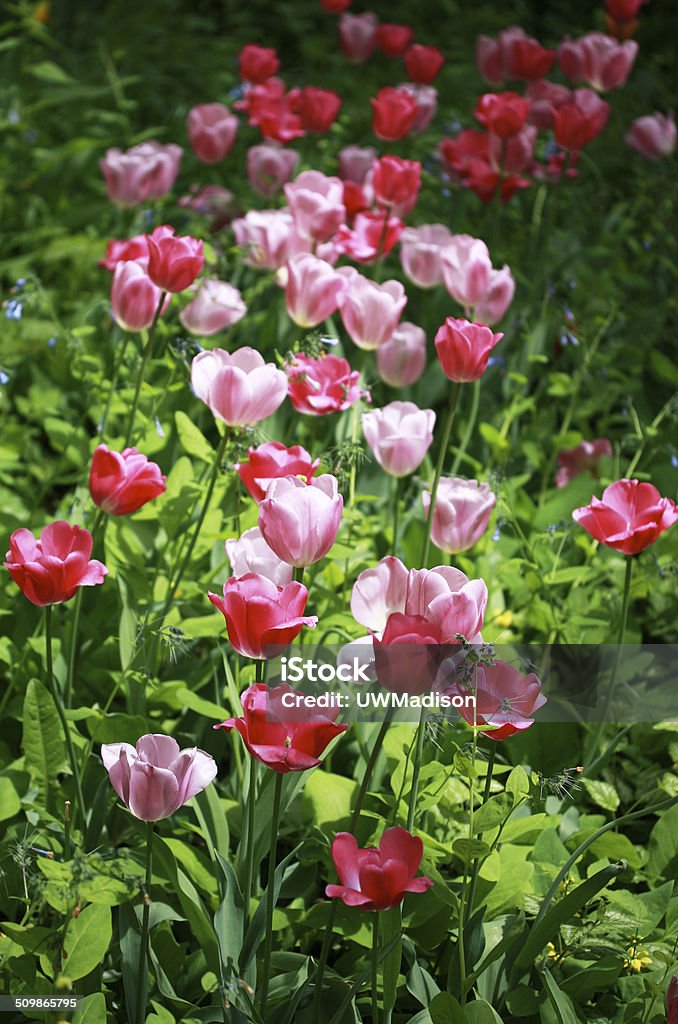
(4, 377)
(497, 533)
(496, 361)
(13, 309)
(327, 340)
(158, 427)
(52, 342)
(674, 460)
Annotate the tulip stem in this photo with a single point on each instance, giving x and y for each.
(148, 348)
(270, 894)
(486, 793)
(397, 495)
(416, 769)
(142, 973)
(456, 388)
(56, 697)
(375, 968)
(470, 427)
(77, 607)
(298, 573)
(249, 843)
(462, 898)
(615, 671)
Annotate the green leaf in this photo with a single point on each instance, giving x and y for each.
(469, 849)
(10, 804)
(492, 812)
(328, 798)
(391, 928)
(44, 744)
(92, 1010)
(480, 1012)
(662, 848)
(88, 936)
(192, 439)
(561, 1003)
(518, 784)
(602, 793)
(445, 1009)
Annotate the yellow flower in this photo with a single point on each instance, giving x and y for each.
(637, 959)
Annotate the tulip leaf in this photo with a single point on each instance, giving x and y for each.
(10, 803)
(88, 936)
(560, 1002)
(193, 441)
(44, 744)
(391, 928)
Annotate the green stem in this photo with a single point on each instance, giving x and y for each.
(416, 769)
(375, 968)
(268, 945)
(298, 573)
(486, 793)
(114, 383)
(142, 972)
(249, 840)
(615, 671)
(146, 355)
(456, 388)
(470, 427)
(77, 607)
(397, 494)
(462, 899)
(56, 697)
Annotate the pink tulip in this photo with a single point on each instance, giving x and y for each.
(174, 262)
(629, 517)
(239, 388)
(399, 435)
(426, 97)
(270, 461)
(545, 99)
(585, 457)
(134, 297)
(123, 482)
(498, 297)
(464, 348)
(147, 171)
(355, 163)
(313, 291)
(449, 600)
(514, 155)
(155, 778)
(505, 700)
(597, 59)
(466, 268)
(374, 234)
(212, 129)
(268, 238)
(461, 514)
(420, 253)
(251, 554)
(513, 54)
(317, 205)
(299, 521)
(50, 570)
(379, 592)
(653, 136)
(212, 201)
(372, 879)
(269, 166)
(217, 305)
(323, 385)
(370, 312)
(401, 359)
(358, 35)
(260, 616)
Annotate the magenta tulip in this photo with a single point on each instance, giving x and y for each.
(464, 348)
(653, 136)
(50, 570)
(323, 385)
(260, 616)
(630, 516)
(212, 129)
(122, 483)
(377, 879)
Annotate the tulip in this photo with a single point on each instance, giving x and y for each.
(585, 456)
(50, 570)
(355, 162)
(269, 238)
(146, 171)
(461, 514)
(392, 39)
(503, 113)
(323, 385)
(516, 154)
(377, 879)
(423, 63)
(250, 553)
(498, 296)
(374, 235)
(313, 291)
(379, 592)
(402, 358)
(174, 262)
(370, 312)
(239, 388)
(408, 656)
(269, 166)
(630, 516)
(316, 204)
(211, 201)
(212, 129)
(216, 306)
(449, 600)
(672, 1001)
(461, 154)
(426, 98)
(598, 60)
(653, 136)
(257, 63)
(396, 184)
(272, 460)
(271, 108)
(399, 435)
(464, 348)
(121, 483)
(123, 250)
(545, 99)
(261, 616)
(357, 199)
(505, 700)
(358, 35)
(421, 251)
(467, 270)
(394, 112)
(624, 10)
(282, 740)
(335, 6)
(134, 297)
(155, 778)
(512, 55)
(299, 521)
(580, 120)
(317, 108)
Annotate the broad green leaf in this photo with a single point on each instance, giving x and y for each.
(480, 1012)
(10, 803)
(193, 441)
(662, 847)
(492, 812)
(88, 936)
(469, 849)
(44, 744)
(602, 793)
(445, 1009)
(561, 1003)
(92, 1010)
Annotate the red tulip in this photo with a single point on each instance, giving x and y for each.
(505, 699)
(423, 63)
(278, 737)
(377, 879)
(513, 54)
(257, 63)
(121, 483)
(408, 656)
(270, 107)
(396, 183)
(672, 1001)
(174, 262)
(503, 113)
(394, 112)
(464, 348)
(624, 10)
(123, 250)
(50, 570)
(260, 616)
(374, 233)
(393, 40)
(630, 516)
(580, 120)
(269, 462)
(317, 108)
(335, 6)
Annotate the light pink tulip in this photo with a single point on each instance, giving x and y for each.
(251, 553)
(420, 253)
(461, 513)
(379, 592)
(212, 129)
(216, 306)
(355, 163)
(427, 104)
(269, 167)
(358, 35)
(316, 203)
(146, 171)
(653, 136)
(514, 155)
(449, 600)
(466, 268)
(498, 297)
(597, 59)
(399, 435)
(268, 238)
(239, 388)
(134, 297)
(155, 779)
(299, 521)
(314, 289)
(401, 359)
(370, 312)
